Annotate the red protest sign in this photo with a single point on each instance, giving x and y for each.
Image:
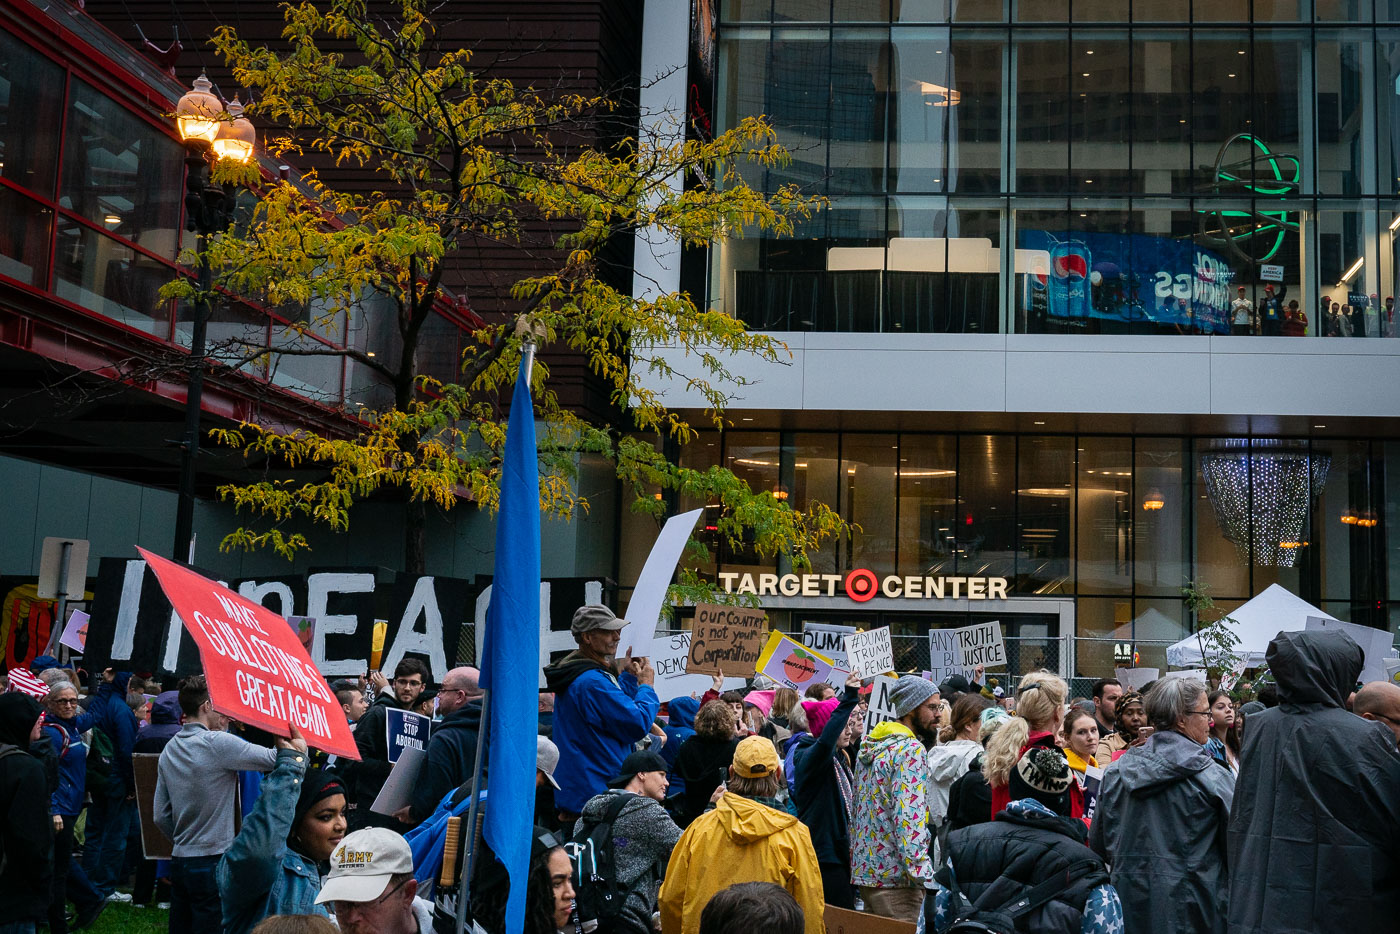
(257, 669)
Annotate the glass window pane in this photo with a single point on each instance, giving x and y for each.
(121, 172)
(1387, 92)
(1162, 114)
(1104, 515)
(753, 456)
(1348, 258)
(1100, 73)
(31, 95)
(1348, 514)
(943, 268)
(924, 106)
(924, 11)
(976, 72)
(233, 335)
(1045, 491)
(860, 69)
(1344, 137)
(1161, 532)
(868, 500)
(1042, 11)
(699, 455)
(26, 231)
(1042, 111)
(111, 278)
(811, 472)
(798, 104)
(927, 504)
(314, 375)
(860, 11)
(986, 530)
(1156, 625)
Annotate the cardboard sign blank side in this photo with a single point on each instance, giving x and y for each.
(154, 843)
(843, 921)
(398, 787)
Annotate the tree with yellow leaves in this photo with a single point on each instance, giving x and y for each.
(463, 159)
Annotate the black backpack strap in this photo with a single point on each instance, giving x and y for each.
(1042, 893)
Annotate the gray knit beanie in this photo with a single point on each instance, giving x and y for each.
(910, 692)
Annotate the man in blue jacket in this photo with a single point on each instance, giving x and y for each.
(598, 714)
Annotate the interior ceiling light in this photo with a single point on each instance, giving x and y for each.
(936, 95)
(1154, 500)
(1261, 495)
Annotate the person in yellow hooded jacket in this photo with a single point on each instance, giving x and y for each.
(747, 837)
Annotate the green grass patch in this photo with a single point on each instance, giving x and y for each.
(124, 919)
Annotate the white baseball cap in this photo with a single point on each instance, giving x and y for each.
(363, 864)
(547, 758)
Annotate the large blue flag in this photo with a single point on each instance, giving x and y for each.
(510, 670)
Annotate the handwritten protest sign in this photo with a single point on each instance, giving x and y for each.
(404, 729)
(827, 639)
(257, 669)
(870, 653)
(982, 645)
(881, 707)
(668, 657)
(75, 633)
(945, 656)
(789, 662)
(726, 640)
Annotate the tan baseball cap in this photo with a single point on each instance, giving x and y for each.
(363, 864)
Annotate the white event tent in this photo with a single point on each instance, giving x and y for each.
(1256, 623)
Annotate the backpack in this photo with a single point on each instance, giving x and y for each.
(100, 755)
(970, 918)
(596, 891)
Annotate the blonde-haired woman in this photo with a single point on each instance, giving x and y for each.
(1040, 708)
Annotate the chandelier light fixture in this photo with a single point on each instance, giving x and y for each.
(1261, 494)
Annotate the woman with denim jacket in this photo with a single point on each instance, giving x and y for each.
(272, 867)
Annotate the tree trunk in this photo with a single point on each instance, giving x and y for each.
(415, 537)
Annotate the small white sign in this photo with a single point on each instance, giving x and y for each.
(982, 645)
(945, 655)
(870, 653)
(1133, 679)
(1271, 273)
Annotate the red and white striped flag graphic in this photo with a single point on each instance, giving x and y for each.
(24, 682)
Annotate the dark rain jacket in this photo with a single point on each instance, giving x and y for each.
(366, 778)
(818, 794)
(451, 758)
(1315, 822)
(1160, 824)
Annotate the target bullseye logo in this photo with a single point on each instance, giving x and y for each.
(861, 585)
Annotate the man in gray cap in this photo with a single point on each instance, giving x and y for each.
(599, 712)
(889, 820)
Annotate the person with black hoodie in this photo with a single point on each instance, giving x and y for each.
(366, 778)
(452, 746)
(1316, 815)
(26, 837)
(825, 784)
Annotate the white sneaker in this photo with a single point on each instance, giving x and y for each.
(120, 898)
(163, 906)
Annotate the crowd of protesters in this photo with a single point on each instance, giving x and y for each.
(1172, 808)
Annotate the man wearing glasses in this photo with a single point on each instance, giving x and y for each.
(1379, 701)
(367, 776)
(371, 889)
(452, 746)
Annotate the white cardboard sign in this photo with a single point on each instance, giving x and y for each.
(829, 640)
(870, 653)
(982, 645)
(1133, 679)
(644, 609)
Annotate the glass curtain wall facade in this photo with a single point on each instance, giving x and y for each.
(1046, 166)
(91, 217)
(1118, 524)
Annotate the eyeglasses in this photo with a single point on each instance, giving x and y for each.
(347, 907)
(408, 682)
(66, 702)
(1198, 713)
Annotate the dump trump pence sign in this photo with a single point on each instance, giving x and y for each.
(870, 653)
(257, 669)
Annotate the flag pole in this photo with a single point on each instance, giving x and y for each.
(473, 834)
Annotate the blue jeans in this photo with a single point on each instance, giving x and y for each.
(17, 927)
(104, 850)
(195, 906)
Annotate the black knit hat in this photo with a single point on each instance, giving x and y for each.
(1043, 774)
(316, 785)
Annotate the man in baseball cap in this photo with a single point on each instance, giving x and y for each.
(599, 711)
(371, 888)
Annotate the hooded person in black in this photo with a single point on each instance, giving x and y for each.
(1316, 811)
(452, 746)
(26, 836)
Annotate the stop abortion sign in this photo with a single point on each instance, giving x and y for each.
(257, 669)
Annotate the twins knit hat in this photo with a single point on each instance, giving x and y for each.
(910, 692)
(1042, 773)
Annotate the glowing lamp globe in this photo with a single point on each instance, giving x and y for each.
(1153, 501)
(197, 113)
(235, 138)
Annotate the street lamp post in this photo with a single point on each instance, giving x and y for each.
(205, 127)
